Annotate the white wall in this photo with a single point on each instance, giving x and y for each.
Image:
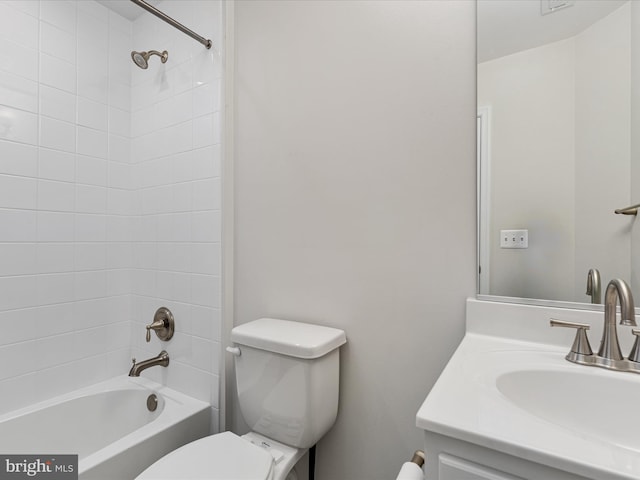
(355, 174)
(109, 197)
(603, 148)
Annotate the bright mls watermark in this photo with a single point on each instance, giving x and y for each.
(39, 467)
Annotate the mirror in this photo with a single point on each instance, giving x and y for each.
(558, 105)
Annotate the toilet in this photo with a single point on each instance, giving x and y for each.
(287, 383)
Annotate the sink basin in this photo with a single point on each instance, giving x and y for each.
(603, 406)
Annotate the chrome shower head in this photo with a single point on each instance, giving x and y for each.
(141, 59)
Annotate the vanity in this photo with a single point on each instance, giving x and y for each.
(509, 406)
(557, 149)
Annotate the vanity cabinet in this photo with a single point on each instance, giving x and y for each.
(454, 468)
(448, 458)
(514, 408)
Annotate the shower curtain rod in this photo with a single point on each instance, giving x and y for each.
(171, 21)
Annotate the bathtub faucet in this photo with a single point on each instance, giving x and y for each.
(161, 359)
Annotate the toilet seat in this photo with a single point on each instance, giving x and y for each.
(224, 456)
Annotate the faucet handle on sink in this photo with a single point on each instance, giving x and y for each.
(634, 356)
(581, 342)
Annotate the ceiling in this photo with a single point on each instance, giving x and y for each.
(126, 8)
(506, 27)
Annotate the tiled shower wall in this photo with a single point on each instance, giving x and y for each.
(104, 215)
(175, 156)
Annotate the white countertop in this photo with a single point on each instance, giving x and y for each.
(465, 403)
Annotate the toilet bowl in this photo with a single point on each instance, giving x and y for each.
(287, 384)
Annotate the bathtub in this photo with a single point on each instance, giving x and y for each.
(108, 425)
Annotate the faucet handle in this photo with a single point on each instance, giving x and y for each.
(634, 356)
(163, 324)
(581, 342)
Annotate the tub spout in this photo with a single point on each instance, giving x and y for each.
(161, 359)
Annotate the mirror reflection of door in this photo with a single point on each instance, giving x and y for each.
(483, 194)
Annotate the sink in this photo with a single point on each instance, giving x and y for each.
(603, 406)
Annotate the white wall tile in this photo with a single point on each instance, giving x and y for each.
(118, 282)
(57, 135)
(118, 202)
(91, 199)
(18, 159)
(18, 192)
(93, 84)
(57, 73)
(119, 149)
(18, 92)
(119, 255)
(205, 322)
(18, 326)
(57, 42)
(119, 228)
(203, 131)
(58, 104)
(206, 227)
(207, 162)
(94, 9)
(91, 284)
(119, 176)
(56, 165)
(206, 258)
(206, 194)
(18, 26)
(56, 196)
(60, 13)
(92, 114)
(19, 60)
(120, 24)
(18, 259)
(90, 228)
(55, 257)
(93, 24)
(90, 256)
(18, 125)
(119, 95)
(119, 122)
(30, 8)
(17, 292)
(92, 142)
(205, 290)
(18, 225)
(55, 227)
(91, 170)
(54, 288)
(206, 98)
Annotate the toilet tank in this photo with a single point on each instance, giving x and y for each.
(287, 376)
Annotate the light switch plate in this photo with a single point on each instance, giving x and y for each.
(514, 238)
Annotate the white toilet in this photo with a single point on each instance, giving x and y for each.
(287, 381)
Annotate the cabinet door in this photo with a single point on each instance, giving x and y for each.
(453, 468)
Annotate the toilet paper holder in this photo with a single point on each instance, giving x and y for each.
(418, 458)
(412, 470)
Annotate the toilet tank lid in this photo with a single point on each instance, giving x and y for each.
(296, 339)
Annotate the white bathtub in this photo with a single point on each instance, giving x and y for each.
(108, 425)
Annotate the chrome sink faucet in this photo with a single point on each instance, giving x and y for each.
(161, 359)
(594, 288)
(609, 354)
(609, 346)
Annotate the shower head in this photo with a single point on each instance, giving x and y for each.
(141, 59)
